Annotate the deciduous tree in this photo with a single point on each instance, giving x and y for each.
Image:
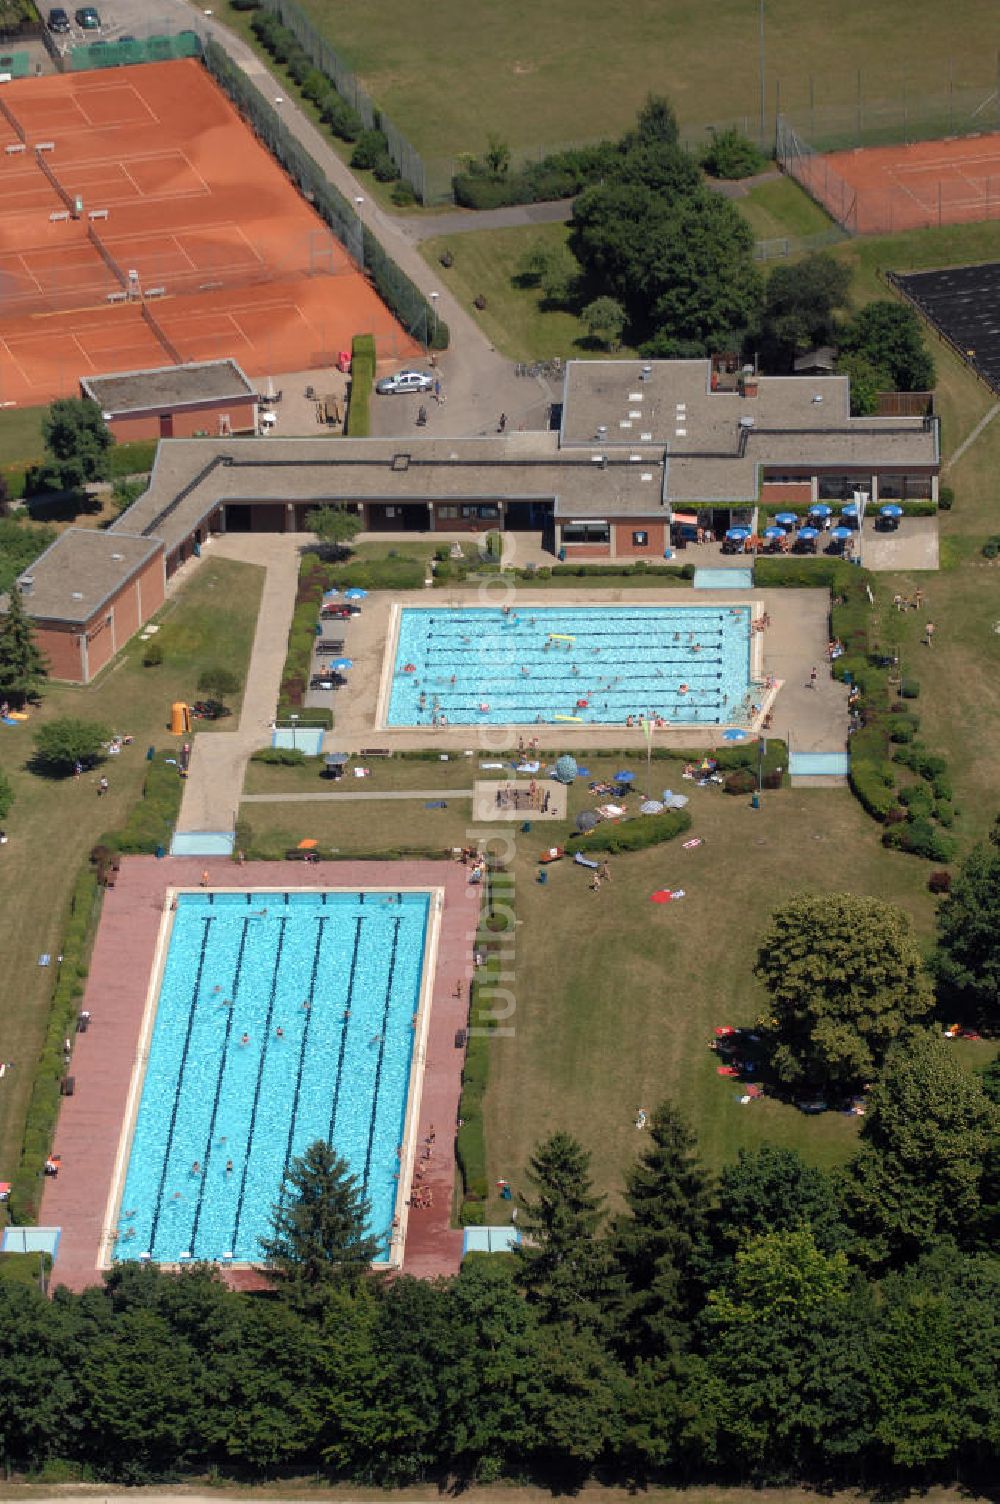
(967, 961)
(924, 1143)
(335, 527)
(889, 335)
(61, 744)
(845, 978)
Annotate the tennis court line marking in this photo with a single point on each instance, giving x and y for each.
(16, 364)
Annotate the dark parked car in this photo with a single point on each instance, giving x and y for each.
(58, 19)
(88, 18)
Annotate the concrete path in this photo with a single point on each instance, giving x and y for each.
(968, 442)
(375, 794)
(219, 758)
(461, 221)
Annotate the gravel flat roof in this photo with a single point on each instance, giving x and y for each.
(169, 387)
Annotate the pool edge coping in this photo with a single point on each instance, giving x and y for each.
(755, 666)
(414, 1091)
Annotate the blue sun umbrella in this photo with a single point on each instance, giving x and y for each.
(355, 595)
(890, 511)
(850, 510)
(342, 663)
(808, 532)
(841, 534)
(820, 510)
(774, 532)
(787, 519)
(738, 533)
(624, 776)
(734, 735)
(329, 594)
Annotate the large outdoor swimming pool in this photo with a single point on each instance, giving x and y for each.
(471, 665)
(282, 1018)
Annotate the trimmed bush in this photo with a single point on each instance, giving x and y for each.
(946, 498)
(152, 654)
(358, 421)
(940, 881)
(280, 757)
(919, 838)
(740, 781)
(872, 785)
(633, 835)
(910, 689)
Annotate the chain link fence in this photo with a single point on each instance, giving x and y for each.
(430, 178)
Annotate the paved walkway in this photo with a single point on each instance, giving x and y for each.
(219, 758)
(377, 794)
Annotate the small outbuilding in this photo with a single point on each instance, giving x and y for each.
(212, 398)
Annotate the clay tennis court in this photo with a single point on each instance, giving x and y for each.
(191, 243)
(883, 189)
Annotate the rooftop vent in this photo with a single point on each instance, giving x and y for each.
(119, 557)
(27, 583)
(748, 422)
(599, 459)
(78, 595)
(818, 397)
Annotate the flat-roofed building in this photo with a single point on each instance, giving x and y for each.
(213, 398)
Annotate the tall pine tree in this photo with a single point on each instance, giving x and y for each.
(654, 1242)
(318, 1227)
(22, 664)
(563, 1264)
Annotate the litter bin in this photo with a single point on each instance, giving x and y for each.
(755, 800)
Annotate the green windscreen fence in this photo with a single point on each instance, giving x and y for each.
(160, 49)
(17, 64)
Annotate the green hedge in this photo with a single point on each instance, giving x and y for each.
(561, 174)
(633, 835)
(358, 421)
(301, 637)
(151, 821)
(284, 757)
(67, 992)
(397, 572)
(910, 508)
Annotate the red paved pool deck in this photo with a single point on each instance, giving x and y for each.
(90, 1121)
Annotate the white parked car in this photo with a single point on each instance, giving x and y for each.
(405, 381)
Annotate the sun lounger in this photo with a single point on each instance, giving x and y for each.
(584, 861)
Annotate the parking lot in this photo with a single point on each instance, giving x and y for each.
(124, 18)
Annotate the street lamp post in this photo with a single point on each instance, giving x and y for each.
(434, 304)
(293, 719)
(762, 57)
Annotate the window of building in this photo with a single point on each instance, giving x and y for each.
(640, 539)
(485, 510)
(904, 487)
(842, 487)
(449, 512)
(586, 532)
(782, 479)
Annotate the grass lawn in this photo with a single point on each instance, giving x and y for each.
(515, 318)
(390, 773)
(450, 74)
(54, 823)
(779, 208)
(21, 435)
(359, 826)
(617, 997)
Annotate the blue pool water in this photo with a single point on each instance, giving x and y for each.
(474, 665)
(245, 964)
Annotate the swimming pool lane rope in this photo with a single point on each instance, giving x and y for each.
(199, 969)
(207, 1153)
(346, 1025)
(303, 1047)
(260, 1078)
(381, 1050)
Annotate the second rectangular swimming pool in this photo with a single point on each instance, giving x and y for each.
(470, 665)
(282, 1018)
